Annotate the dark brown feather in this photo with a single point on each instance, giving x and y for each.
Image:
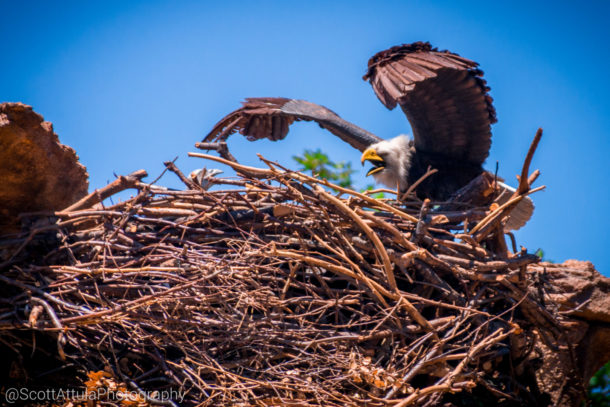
(443, 95)
(271, 117)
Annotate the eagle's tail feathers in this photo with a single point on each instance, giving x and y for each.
(522, 212)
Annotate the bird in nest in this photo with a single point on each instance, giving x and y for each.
(444, 97)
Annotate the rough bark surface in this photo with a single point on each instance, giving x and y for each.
(583, 296)
(37, 171)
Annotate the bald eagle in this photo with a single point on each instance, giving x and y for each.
(444, 97)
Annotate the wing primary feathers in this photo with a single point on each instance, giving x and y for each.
(443, 95)
(271, 118)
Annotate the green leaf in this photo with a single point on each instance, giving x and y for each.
(599, 387)
(319, 164)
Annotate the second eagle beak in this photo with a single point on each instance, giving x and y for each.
(372, 156)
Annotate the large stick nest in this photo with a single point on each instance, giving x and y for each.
(276, 289)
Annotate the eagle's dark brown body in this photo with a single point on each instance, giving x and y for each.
(454, 175)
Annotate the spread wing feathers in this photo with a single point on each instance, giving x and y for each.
(522, 212)
(443, 95)
(271, 117)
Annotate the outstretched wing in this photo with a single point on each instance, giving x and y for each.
(271, 117)
(443, 95)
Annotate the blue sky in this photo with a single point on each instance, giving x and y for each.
(131, 84)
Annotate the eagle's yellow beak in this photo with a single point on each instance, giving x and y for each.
(372, 156)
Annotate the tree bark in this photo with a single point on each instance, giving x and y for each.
(581, 296)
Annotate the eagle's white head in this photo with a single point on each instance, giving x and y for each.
(391, 160)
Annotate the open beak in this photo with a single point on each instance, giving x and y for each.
(372, 156)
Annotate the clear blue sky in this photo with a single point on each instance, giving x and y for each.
(130, 84)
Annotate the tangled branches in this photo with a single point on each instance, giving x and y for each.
(280, 289)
